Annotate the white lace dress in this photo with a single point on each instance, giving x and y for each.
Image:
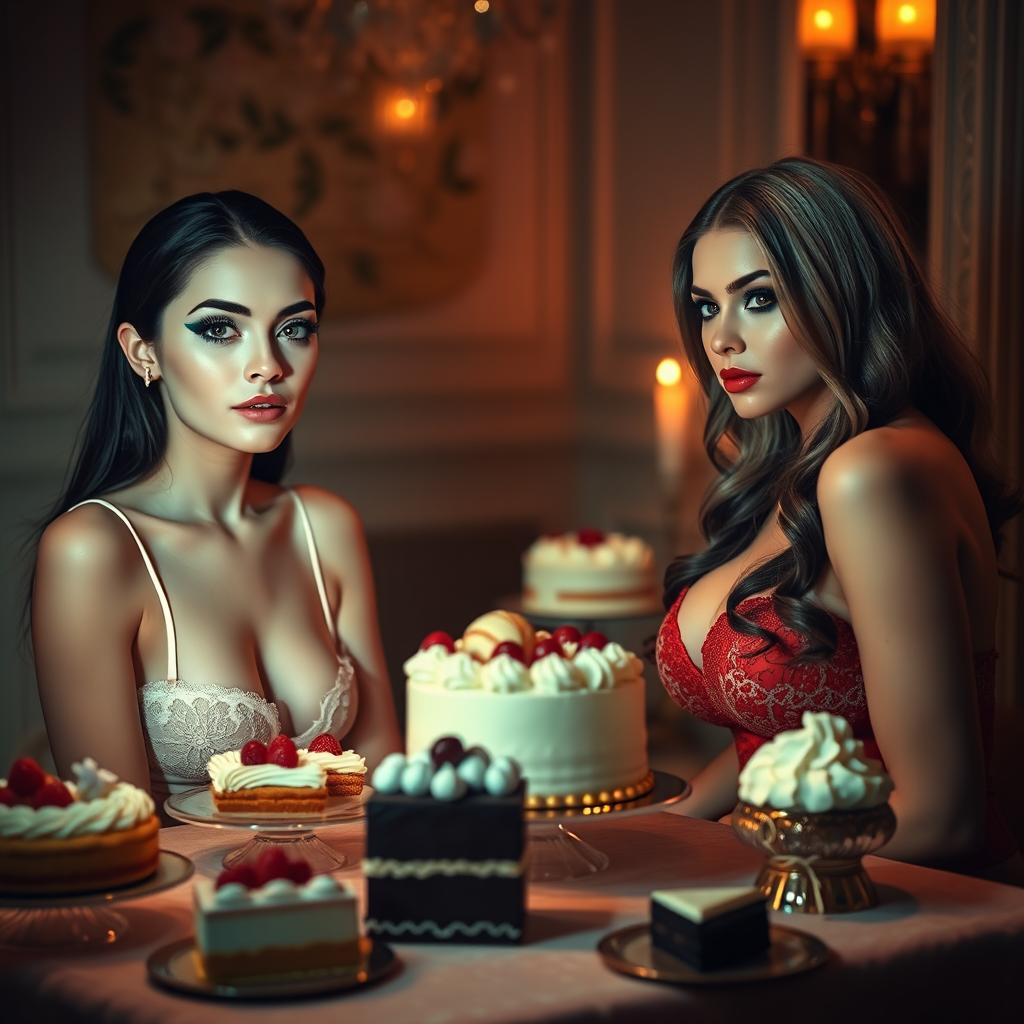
(186, 723)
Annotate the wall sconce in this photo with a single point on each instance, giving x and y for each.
(868, 93)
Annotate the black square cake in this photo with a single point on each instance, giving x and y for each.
(445, 870)
(710, 928)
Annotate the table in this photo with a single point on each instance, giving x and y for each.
(940, 947)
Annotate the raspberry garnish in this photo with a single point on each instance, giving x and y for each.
(8, 798)
(512, 649)
(254, 752)
(300, 872)
(589, 538)
(244, 874)
(546, 647)
(446, 750)
(439, 636)
(594, 639)
(326, 743)
(25, 776)
(567, 635)
(273, 863)
(281, 750)
(52, 793)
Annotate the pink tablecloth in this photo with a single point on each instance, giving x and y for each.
(941, 947)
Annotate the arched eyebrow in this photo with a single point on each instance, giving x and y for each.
(234, 307)
(735, 286)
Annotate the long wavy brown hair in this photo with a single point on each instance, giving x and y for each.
(856, 300)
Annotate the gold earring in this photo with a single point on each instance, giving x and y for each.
(149, 377)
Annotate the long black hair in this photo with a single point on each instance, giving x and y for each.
(856, 300)
(124, 434)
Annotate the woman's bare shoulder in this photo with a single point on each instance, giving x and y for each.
(89, 540)
(329, 511)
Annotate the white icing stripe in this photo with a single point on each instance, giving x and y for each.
(379, 867)
(497, 931)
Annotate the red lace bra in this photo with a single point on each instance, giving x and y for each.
(758, 697)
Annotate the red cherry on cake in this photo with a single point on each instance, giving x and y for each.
(299, 872)
(244, 874)
(447, 750)
(439, 636)
(8, 798)
(52, 793)
(253, 752)
(589, 538)
(324, 743)
(281, 750)
(512, 649)
(273, 863)
(547, 646)
(594, 639)
(566, 635)
(25, 776)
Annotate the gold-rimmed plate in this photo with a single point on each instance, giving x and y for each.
(630, 951)
(177, 967)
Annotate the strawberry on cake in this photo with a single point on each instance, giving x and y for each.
(274, 919)
(55, 837)
(345, 768)
(269, 779)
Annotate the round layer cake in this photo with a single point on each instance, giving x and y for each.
(58, 837)
(571, 713)
(589, 573)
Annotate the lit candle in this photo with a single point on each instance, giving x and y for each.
(670, 418)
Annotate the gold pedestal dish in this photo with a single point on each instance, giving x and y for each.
(814, 860)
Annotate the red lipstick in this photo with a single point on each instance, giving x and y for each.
(735, 379)
(262, 408)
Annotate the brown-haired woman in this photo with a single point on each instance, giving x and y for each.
(853, 530)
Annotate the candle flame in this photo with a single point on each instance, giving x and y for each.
(668, 372)
(824, 18)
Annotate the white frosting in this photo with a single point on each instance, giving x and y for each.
(91, 781)
(124, 806)
(423, 664)
(348, 761)
(447, 784)
(416, 777)
(459, 671)
(388, 776)
(228, 774)
(472, 770)
(553, 674)
(595, 669)
(382, 867)
(625, 664)
(505, 674)
(466, 929)
(819, 767)
(615, 549)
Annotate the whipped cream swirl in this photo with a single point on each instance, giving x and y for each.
(565, 549)
(227, 773)
(348, 761)
(124, 806)
(819, 767)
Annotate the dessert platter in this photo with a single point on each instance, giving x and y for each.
(280, 794)
(566, 707)
(271, 929)
(71, 849)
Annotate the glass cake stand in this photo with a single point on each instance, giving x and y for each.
(79, 919)
(295, 832)
(584, 623)
(557, 853)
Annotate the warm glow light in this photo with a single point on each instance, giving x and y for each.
(668, 372)
(405, 108)
(827, 28)
(481, 6)
(905, 27)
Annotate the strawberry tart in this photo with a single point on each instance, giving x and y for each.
(567, 707)
(273, 919)
(59, 837)
(345, 768)
(589, 573)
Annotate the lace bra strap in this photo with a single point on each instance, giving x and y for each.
(172, 647)
(314, 559)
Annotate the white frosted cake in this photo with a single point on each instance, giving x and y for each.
(568, 708)
(589, 573)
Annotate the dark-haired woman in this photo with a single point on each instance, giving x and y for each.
(183, 601)
(853, 531)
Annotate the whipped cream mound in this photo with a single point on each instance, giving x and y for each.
(819, 767)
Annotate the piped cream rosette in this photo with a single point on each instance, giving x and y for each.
(819, 767)
(228, 774)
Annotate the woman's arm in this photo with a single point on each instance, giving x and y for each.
(892, 541)
(343, 551)
(84, 622)
(713, 788)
